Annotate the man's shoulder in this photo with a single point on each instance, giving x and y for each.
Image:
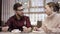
(12, 17)
(26, 17)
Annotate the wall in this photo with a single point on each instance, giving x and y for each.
(7, 9)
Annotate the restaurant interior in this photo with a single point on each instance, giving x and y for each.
(35, 9)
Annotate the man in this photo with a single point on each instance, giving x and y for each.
(18, 21)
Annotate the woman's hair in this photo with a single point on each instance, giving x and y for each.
(54, 5)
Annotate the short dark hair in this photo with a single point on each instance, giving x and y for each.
(16, 5)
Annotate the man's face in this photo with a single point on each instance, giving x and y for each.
(20, 11)
(48, 10)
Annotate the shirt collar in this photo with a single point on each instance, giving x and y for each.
(16, 17)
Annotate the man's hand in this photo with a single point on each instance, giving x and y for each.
(25, 29)
(5, 29)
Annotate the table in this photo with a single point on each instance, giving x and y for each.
(21, 33)
(29, 33)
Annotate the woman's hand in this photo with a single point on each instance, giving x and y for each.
(46, 29)
(35, 28)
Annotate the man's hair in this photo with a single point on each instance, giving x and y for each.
(54, 6)
(16, 5)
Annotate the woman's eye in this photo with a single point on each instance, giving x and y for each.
(45, 8)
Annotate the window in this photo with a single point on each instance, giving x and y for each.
(33, 8)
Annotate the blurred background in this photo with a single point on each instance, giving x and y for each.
(33, 8)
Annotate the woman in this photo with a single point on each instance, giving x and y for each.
(52, 22)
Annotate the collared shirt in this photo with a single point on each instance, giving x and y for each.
(13, 23)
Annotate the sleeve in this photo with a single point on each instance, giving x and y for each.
(58, 20)
(28, 24)
(58, 25)
(44, 23)
(8, 23)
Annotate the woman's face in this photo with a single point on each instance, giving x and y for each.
(48, 10)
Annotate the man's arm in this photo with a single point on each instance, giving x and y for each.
(28, 25)
(6, 26)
